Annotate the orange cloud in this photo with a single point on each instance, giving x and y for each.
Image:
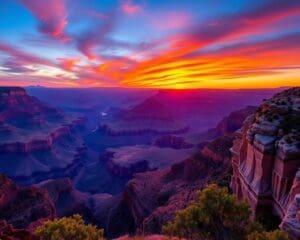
(68, 64)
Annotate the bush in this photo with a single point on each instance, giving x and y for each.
(275, 235)
(215, 215)
(218, 215)
(69, 228)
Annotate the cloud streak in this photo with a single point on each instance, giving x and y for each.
(52, 16)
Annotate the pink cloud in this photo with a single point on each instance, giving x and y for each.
(52, 16)
(89, 40)
(22, 56)
(171, 20)
(128, 7)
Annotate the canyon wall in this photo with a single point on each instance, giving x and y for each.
(37, 141)
(266, 158)
(24, 207)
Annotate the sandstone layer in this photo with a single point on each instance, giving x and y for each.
(266, 158)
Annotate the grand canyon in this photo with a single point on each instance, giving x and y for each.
(149, 120)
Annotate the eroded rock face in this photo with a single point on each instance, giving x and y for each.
(8, 232)
(37, 141)
(66, 198)
(230, 123)
(24, 207)
(19, 110)
(126, 161)
(291, 219)
(151, 199)
(266, 156)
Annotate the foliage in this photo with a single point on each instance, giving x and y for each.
(215, 215)
(218, 215)
(275, 235)
(69, 228)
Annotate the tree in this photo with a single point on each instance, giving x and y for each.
(69, 228)
(215, 215)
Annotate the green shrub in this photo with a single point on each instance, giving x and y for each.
(215, 215)
(275, 235)
(218, 215)
(69, 228)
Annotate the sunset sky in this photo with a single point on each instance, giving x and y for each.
(150, 43)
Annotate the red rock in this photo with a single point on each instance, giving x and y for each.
(8, 232)
(24, 207)
(151, 199)
(266, 156)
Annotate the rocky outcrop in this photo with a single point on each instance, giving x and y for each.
(125, 161)
(44, 144)
(266, 155)
(219, 149)
(230, 123)
(291, 220)
(67, 167)
(151, 108)
(66, 198)
(19, 110)
(8, 232)
(24, 207)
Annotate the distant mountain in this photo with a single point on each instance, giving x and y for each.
(150, 116)
(151, 108)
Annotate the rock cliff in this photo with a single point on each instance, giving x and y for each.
(24, 207)
(145, 206)
(36, 141)
(266, 156)
(8, 232)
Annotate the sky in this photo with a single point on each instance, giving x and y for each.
(150, 43)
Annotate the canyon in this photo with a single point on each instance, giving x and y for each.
(128, 170)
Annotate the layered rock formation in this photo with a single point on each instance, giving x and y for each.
(36, 140)
(151, 199)
(24, 207)
(266, 156)
(125, 161)
(148, 117)
(67, 200)
(20, 110)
